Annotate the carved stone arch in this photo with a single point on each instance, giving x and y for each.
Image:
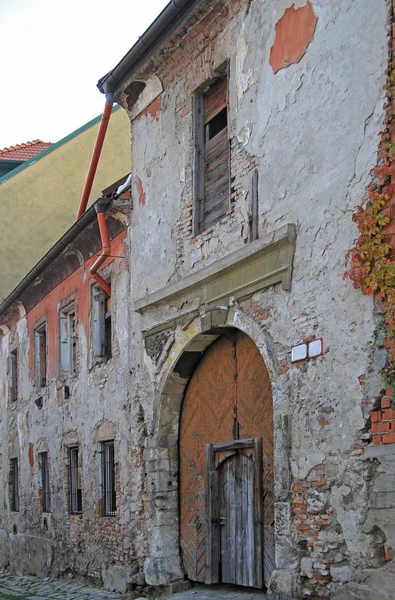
(164, 565)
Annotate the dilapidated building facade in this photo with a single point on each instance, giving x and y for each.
(227, 436)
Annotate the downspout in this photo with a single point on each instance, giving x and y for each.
(96, 153)
(106, 249)
(101, 217)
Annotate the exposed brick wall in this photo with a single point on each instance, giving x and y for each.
(383, 421)
(203, 39)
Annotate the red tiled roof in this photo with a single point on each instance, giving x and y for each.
(24, 151)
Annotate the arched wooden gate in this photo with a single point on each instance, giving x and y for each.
(228, 399)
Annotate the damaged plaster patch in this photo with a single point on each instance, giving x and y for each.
(140, 191)
(243, 80)
(294, 32)
(245, 133)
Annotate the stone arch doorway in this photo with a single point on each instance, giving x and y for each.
(228, 399)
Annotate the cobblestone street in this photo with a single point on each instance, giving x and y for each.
(33, 588)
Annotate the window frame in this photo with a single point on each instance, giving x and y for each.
(13, 367)
(74, 479)
(108, 492)
(14, 485)
(68, 340)
(44, 482)
(200, 127)
(41, 358)
(101, 335)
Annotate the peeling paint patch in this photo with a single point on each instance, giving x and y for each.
(152, 110)
(140, 191)
(31, 454)
(294, 32)
(245, 133)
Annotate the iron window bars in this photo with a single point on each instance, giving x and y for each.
(45, 489)
(75, 492)
(109, 496)
(14, 483)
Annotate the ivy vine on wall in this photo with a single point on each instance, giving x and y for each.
(371, 261)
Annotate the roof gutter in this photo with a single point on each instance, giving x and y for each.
(162, 25)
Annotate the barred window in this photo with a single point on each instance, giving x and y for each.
(75, 491)
(14, 485)
(109, 498)
(45, 489)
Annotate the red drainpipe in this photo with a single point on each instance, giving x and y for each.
(106, 250)
(101, 217)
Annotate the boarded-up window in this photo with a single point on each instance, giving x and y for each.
(212, 173)
(40, 342)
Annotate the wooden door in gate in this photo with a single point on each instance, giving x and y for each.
(234, 513)
(228, 398)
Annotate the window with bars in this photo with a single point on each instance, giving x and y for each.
(102, 333)
(40, 350)
(45, 489)
(13, 375)
(68, 341)
(75, 491)
(212, 155)
(14, 485)
(108, 487)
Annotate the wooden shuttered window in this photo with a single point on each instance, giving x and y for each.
(212, 172)
(40, 341)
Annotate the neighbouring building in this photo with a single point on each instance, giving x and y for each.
(39, 197)
(14, 156)
(220, 416)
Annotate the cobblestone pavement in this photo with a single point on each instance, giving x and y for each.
(34, 588)
(14, 587)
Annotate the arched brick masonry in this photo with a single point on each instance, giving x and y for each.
(175, 367)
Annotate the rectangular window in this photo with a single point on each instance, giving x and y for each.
(14, 485)
(13, 375)
(45, 489)
(40, 342)
(68, 341)
(102, 332)
(212, 172)
(109, 499)
(75, 492)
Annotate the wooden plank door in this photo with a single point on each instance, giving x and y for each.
(234, 513)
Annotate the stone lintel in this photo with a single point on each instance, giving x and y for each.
(262, 263)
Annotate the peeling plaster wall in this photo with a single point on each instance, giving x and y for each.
(102, 404)
(311, 131)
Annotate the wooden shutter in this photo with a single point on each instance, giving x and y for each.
(216, 156)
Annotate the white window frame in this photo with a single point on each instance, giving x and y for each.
(67, 339)
(99, 317)
(39, 333)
